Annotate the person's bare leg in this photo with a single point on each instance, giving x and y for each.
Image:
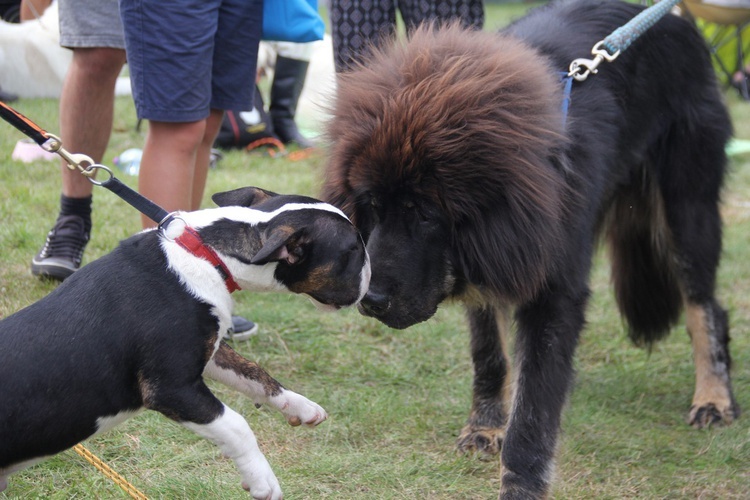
(168, 165)
(87, 109)
(203, 157)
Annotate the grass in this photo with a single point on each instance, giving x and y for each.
(396, 399)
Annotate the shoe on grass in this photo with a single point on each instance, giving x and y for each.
(241, 329)
(62, 253)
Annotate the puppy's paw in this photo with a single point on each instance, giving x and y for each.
(484, 442)
(298, 410)
(261, 482)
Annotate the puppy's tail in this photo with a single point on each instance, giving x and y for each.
(644, 271)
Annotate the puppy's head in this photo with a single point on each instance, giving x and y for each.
(298, 243)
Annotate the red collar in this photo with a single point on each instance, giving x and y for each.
(191, 241)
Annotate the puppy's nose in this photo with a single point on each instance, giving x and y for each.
(374, 304)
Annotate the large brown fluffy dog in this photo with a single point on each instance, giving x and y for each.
(451, 154)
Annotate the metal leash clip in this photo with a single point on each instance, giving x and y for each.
(75, 161)
(172, 231)
(581, 68)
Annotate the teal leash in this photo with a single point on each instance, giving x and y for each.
(619, 40)
(622, 37)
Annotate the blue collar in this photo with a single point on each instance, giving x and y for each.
(567, 82)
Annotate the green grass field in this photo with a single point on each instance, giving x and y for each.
(396, 399)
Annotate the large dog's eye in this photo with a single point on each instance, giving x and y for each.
(416, 211)
(297, 254)
(374, 209)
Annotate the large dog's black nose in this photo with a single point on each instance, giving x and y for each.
(374, 304)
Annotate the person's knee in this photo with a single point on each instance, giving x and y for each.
(100, 62)
(213, 124)
(181, 135)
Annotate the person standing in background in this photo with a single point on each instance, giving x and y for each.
(290, 72)
(189, 61)
(93, 31)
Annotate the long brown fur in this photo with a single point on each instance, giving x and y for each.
(451, 152)
(453, 97)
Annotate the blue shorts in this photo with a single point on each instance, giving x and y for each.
(187, 57)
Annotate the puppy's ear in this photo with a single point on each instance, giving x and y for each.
(281, 245)
(242, 197)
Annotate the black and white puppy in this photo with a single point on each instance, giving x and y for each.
(141, 326)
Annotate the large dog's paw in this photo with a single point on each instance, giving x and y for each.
(298, 409)
(484, 442)
(517, 487)
(260, 480)
(709, 414)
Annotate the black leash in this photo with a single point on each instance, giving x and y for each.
(85, 165)
(190, 240)
(135, 199)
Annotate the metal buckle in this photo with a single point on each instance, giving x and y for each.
(581, 68)
(78, 161)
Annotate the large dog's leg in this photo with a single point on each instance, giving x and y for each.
(235, 371)
(690, 183)
(696, 230)
(713, 401)
(194, 406)
(548, 333)
(485, 429)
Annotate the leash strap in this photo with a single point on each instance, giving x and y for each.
(23, 124)
(136, 200)
(107, 471)
(622, 37)
(51, 143)
(191, 241)
(619, 40)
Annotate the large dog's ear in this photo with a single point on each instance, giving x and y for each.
(281, 245)
(242, 197)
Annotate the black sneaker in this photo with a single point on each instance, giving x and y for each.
(62, 252)
(241, 329)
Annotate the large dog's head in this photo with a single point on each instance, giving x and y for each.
(443, 154)
(286, 242)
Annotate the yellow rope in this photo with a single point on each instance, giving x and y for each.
(107, 471)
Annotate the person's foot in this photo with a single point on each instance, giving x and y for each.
(241, 329)
(62, 253)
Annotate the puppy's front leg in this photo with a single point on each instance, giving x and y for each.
(231, 433)
(190, 402)
(235, 371)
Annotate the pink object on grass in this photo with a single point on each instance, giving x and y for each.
(28, 151)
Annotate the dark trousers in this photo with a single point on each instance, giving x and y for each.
(356, 24)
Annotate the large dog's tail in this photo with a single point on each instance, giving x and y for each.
(644, 274)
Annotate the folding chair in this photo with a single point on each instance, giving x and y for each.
(723, 23)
